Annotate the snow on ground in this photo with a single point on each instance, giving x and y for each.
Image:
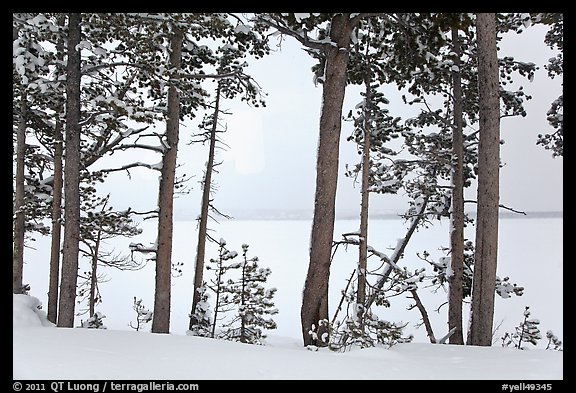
(42, 351)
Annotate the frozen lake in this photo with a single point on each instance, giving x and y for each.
(530, 253)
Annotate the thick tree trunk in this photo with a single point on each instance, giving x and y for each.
(68, 283)
(161, 320)
(19, 214)
(456, 295)
(315, 294)
(56, 209)
(485, 261)
(56, 225)
(203, 225)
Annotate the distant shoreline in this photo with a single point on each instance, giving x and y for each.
(296, 215)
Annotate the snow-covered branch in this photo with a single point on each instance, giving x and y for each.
(400, 246)
(157, 167)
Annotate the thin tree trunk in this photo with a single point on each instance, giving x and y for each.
(243, 337)
(94, 276)
(455, 281)
(67, 301)
(204, 211)
(56, 209)
(396, 256)
(424, 313)
(56, 225)
(363, 239)
(485, 259)
(218, 289)
(315, 294)
(19, 202)
(161, 320)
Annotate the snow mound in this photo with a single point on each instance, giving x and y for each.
(27, 311)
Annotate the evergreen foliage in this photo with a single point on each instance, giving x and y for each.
(202, 315)
(94, 322)
(238, 290)
(253, 301)
(553, 342)
(527, 332)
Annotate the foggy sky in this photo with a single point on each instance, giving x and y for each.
(271, 160)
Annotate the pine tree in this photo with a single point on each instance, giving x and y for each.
(31, 67)
(223, 302)
(553, 342)
(237, 83)
(253, 301)
(331, 48)
(94, 322)
(526, 332)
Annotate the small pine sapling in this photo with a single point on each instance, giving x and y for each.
(143, 315)
(553, 342)
(527, 331)
(223, 300)
(253, 301)
(94, 322)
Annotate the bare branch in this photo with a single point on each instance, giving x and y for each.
(500, 206)
(278, 25)
(425, 319)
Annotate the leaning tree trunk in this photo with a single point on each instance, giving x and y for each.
(19, 214)
(203, 225)
(455, 281)
(485, 259)
(315, 295)
(68, 283)
(161, 320)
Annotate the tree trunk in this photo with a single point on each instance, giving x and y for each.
(161, 320)
(56, 224)
(455, 281)
(387, 270)
(56, 209)
(94, 276)
(363, 238)
(425, 318)
(485, 259)
(203, 225)
(71, 178)
(19, 202)
(315, 295)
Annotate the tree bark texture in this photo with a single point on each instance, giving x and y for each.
(56, 225)
(363, 240)
(67, 301)
(204, 211)
(485, 259)
(315, 294)
(161, 320)
(19, 214)
(456, 290)
(56, 208)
